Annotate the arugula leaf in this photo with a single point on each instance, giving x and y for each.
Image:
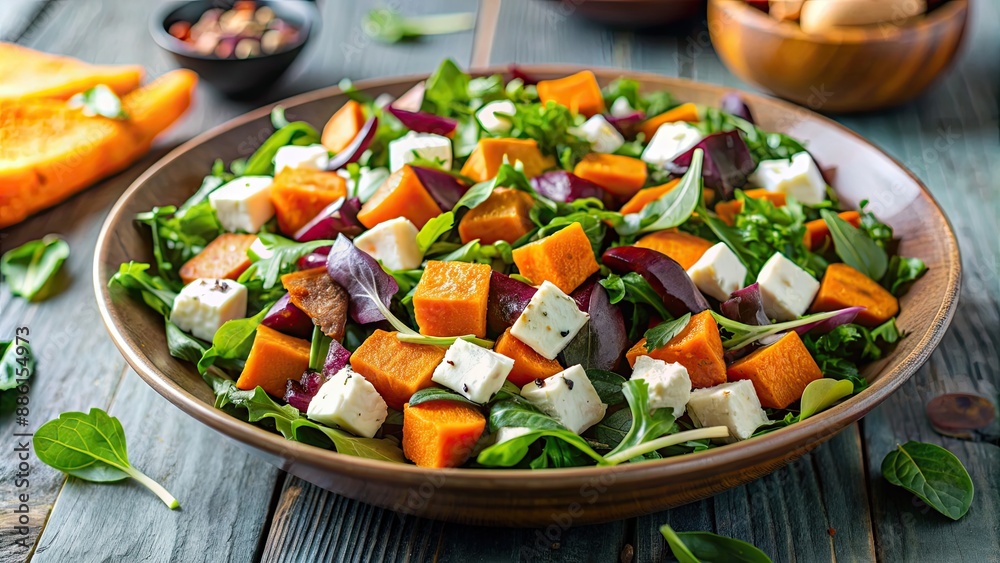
(17, 363)
(551, 125)
(389, 26)
(256, 406)
(698, 547)
(839, 351)
(633, 288)
(232, 341)
(91, 447)
(182, 345)
(932, 473)
(659, 335)
(437, 394)
(653, 103)
(261, 162)
(179, 235)
(99, 100)
(901, 274)
(29, 268)
(154, 290)
(209, 184)
(516, 412)
(435, 229)
(645, 427)
(764, 229)
(284, 254)
(672, 208)
(821, 394)
(855, 248)
(474, 251)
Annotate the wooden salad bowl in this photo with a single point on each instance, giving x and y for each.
(526, 497)
(844, 70)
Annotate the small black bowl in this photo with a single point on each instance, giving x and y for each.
(234, 77)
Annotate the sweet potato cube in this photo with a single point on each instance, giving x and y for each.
(564, 258)
(503, 216)
(223, 258)
(619, 175)
(817, 231)
(779, 372)
(683, 248)
(485, 160)
(843, 286)
(396, 369)
(698, 348)
(441, 433)
(343, 127)
(451, 299)
(528, 364)
(684, 112)
(728, 210)
(400, 195)
(579, 92)
(315, 292)
(274, 359)
(299, 194)
(642, 198)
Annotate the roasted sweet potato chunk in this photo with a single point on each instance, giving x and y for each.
(485, 160)
(728, 210)
(343, 126)
(396, 369)
(843, 286)
(274, 359)
(683, 112)
(503, 216)
(224, 258)
(683, 248)
(451, 299)
(621, 176)
(441, 433)
(299, 194)
(579, 92)
(528, 364)
(779, 372)
(564, 258)
(698, 348)
(400, 195)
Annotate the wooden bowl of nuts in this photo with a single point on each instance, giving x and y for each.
(241, 48)
(845, 56)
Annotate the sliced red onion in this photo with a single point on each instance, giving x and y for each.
(423, 122)
(336, 359)
(444, 189)
(412, 99)
(734, 104)
(340, 216)
(843, 317)
(357, 147)
(516, 72)
(314, 259)
(627, 124)
(746, 306)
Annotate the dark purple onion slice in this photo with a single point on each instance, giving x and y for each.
(843, 317)
(562, 186)
(423, 122)
(340, 216)
(733, 103)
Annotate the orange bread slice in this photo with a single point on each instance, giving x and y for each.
(49, 151)
(26, 73)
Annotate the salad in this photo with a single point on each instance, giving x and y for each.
(500, 271)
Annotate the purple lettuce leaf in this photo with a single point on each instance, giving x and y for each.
(340, 216)
(843, 317)
(367, 284)
(728, 163)
(746, 306)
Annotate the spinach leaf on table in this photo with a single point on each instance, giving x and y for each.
(932, 473)
(30, 268)
(91, 446)
(706, 547)
(16, 363)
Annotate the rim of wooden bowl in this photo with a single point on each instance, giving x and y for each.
(778, 444)
(740, 13)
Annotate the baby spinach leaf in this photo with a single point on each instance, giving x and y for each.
(514, 411)
(659, 335)
(932, 473)
(671, 209)
(614, 427)
(261, 162)
(29, 268)
(233, 340)
(901, 274)
(17, 363)
(447, 90)
(435, 229)
(154, 290)
(182, 345)
(91, 446)
(608, 385)
(646, 426)
(820, 394)
(706, 547)
(437, 394)
(99, 100)
(855, 248)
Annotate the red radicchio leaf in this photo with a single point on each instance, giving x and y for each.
(363, 278)
(745, 305)
(727, 165)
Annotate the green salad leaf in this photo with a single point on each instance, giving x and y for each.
(389, 26)
(839, 351)
(30, 268)
(821, 394)
(232, 341)
(646, 426)
(901, 274)
(672, 208)
(179, 235)
(659, 335)
(91, 446)
(17, 363)
(633, 288)
(435, 229)
(261, 162)
(608, 385)
(855, 248)
(762, 145)
(706, 547)
(284, 254)
(932, 473)
(184, 346)
(437, 394)
(156, 292)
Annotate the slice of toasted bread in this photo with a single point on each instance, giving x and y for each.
(49, 151)
(28, 73)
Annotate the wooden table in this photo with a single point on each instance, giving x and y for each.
(830, 505)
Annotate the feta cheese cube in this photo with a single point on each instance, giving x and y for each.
(472, 371)
(315, 157)
(602, 135)
(669, 384)
(393, 243)
(798, 177)
(258, 251)
(428, 146)
(734, 405)
(509, 433)
(718, 272)
(349, 401)
(785, 289)
(243, 204)
(549, 321)
(487, 116)
(569, 397)
(206, 304)
(669, 141)
(621, 108)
